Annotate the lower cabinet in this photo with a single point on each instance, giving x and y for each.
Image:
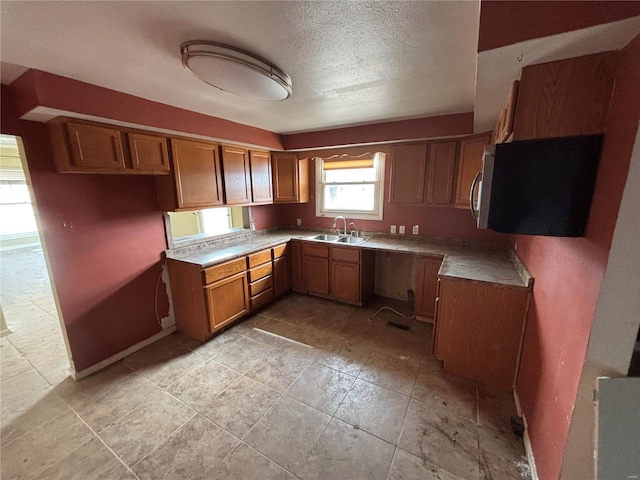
(479, 328)
(340, 273)
(426, 285)
(295, 258)
(227, 300)
(281, 270)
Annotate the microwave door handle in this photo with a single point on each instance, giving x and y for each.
(474, 185)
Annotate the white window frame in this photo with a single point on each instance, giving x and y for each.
(376, 214)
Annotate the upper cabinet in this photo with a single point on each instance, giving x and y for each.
(441, 171)
(408, 170)
(261, 180)
(290, 178)
(197, 178)
(236, 175)
(469, 164)
(88, 147)
(559, 99)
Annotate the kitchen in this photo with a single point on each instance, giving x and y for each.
(128, 259)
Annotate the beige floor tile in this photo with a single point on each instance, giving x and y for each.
(27, 402)
(193, 452)
(91, 461)
(121, 398)
(390, 372)
(138, 433)
(344, 355)
(495, 408)
(449, 442)
(245, 325)
(287, 433)
(199, 388)
(12, 362)
(245, 463)
(214, 346)
(280, 368)
(502, 454)
(243, 354)
(273, 332)
(409, 467)
(374, 409)
(172, 366)
(239, 407)
(344, 452)
(447, 392)
(321, 387)
(41, 447)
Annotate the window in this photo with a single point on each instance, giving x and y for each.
(204, 224)
(350, 186)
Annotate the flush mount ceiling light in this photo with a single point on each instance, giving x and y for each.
(235, 70)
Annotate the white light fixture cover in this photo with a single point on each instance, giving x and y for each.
(235, 70)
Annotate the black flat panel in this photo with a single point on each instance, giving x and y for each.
(544, 187)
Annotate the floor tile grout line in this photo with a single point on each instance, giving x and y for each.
(393, 458)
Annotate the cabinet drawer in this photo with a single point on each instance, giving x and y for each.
(260, 272)
(315, 250)
(261, 285)
(261, 299)
(259, 258)
(345, 254)
(224, 270)
(279, 251)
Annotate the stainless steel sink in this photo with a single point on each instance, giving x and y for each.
(352, 240)
(326, 238)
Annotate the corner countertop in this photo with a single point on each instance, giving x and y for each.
(467, 260)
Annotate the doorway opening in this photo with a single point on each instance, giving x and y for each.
(31, 327)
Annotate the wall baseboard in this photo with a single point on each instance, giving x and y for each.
(120, 355)
(526, 439)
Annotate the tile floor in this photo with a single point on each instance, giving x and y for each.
(306, 389)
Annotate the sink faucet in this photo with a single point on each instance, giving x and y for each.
(355, 230)
(335, 221)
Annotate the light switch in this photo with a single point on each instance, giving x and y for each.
(393, 229)
(416, 229)
(401, 229)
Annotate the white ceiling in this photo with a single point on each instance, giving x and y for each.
(351, 62)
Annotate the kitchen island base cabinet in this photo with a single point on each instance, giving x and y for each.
(479, 328)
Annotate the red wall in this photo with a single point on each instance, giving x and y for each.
(506, 22)
(568, 273)
(442, 222)
(265, 216)
(417, 128)
(37, 88)
(106, 267)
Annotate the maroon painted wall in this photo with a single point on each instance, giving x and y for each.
(568, 273)
(37, 88)
(506, 22)
(265, 216)
(417, 128)
(444, 222)
(106, 267)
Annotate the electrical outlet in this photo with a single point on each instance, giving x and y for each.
(299, 222)
(416, 229)
(401, 229)
(393, 229)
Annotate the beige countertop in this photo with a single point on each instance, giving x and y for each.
(493, 263)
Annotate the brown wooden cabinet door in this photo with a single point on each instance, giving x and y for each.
(297, 280)
(316, 274)
(345, 281)
(95, 148)
(261, 179)
(441, 164)
(149, 153)
(565, 97)
(408, 170)
(197, 176)
(285, 178)
(237, 175)
(227, 300)
(281, 276)
(426, 285)
(469, 164)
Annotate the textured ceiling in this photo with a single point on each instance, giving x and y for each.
(351, 62)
